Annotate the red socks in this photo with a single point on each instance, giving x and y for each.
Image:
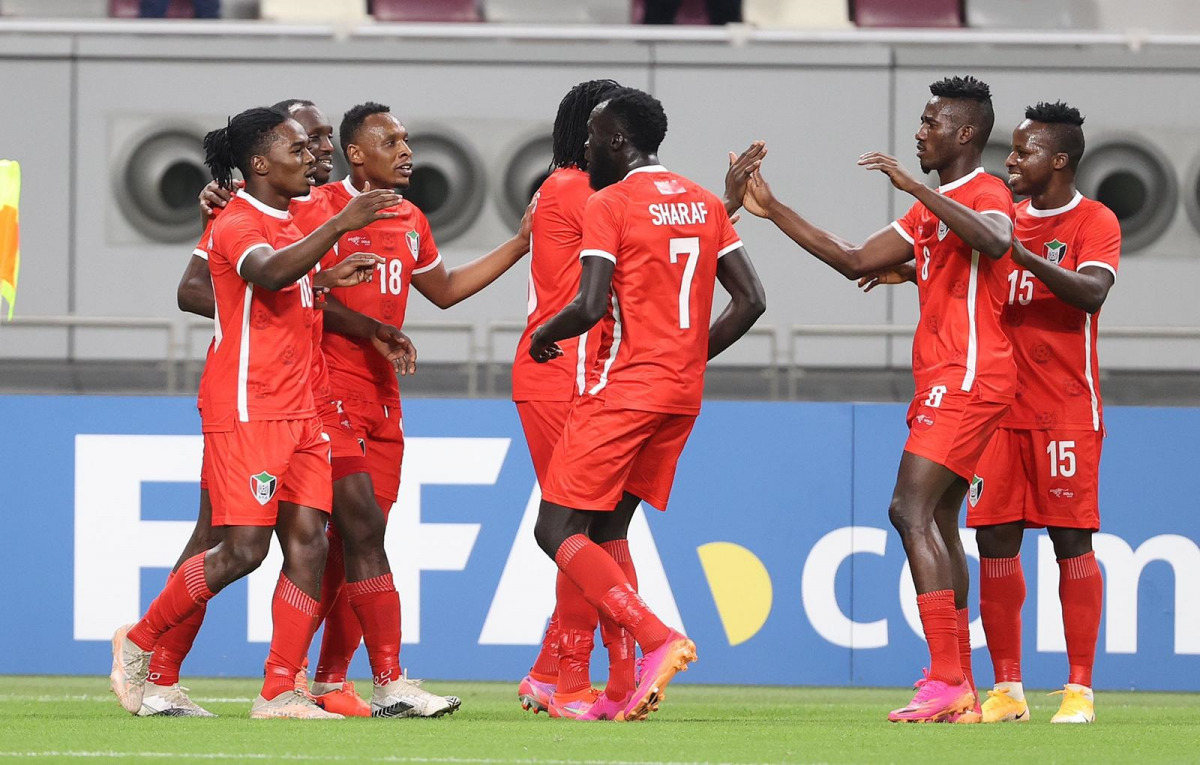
(173, 647)
(293, 619)
(1081, 590)
(183, 594)
(545, 666)
(1001, 596)
(940, 622)
(343, 633)
(621, 655)
(962, 618)
(576, 636)
(376, 606)
(605, 586)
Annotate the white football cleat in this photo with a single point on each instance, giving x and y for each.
(169, 701)
(130, 666)
(290, 704)
(405, 698)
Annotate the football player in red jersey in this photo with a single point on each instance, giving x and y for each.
(653, 246)
(962, 362)
(1041, 469)
(375, 143)
(545, 393)
(268, 456)
(163, 695)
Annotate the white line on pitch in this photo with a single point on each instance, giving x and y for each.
(334, 758)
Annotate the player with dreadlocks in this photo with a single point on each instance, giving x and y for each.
(559, 680)
(269, 459)
(960, 234)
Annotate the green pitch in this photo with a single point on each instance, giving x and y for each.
(46, 719)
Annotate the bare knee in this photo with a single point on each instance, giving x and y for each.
(244, 557)
(901, 516)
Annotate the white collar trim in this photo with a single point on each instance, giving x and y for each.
(647, 169)
(952, 185)
(1069, 206)
(346, 184)
(262, 207)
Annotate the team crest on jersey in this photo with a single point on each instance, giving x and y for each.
(1056, 251)
(414, 243)
(263, 486)
(976, 491)
(943, 229)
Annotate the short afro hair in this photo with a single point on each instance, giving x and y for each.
(353, 120)
(641, 117)
(978, 97)
(288, 105)
(1066, 124)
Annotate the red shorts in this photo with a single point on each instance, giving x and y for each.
(952, 427)
(343, 444)
(1041, 477)
(605, 451)
(379, 430)
(543, 422)
(204, 471)
(254, 466)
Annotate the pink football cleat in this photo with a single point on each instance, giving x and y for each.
(535, 695)
(936, 701)
(573, 706)
(659, 667)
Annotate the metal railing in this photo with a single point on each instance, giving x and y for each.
(482, 357)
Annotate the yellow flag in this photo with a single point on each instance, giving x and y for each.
(10, 234)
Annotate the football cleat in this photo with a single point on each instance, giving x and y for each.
(659, 667)
(971, 716)
(130, 666)
(1005, 703)
(301, 681)
(534, 695)
(935, 701)
(289, 704)
(169, 701)
(405, 698)
(342, 700)
(573, 706)
(1078, 705)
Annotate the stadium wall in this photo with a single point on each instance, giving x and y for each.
(91, 101)
(776, 555)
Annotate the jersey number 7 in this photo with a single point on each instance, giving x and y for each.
(689, 246)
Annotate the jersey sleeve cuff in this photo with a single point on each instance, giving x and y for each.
(598, 254)
(242, 258)
(1097, 264)
(199, 253)
(1002, 214)
(429, 267)
(900, 230)
(729, 248)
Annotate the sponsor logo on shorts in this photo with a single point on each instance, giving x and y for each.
(263, 486)
(943, 229)
(976, 491)
(924, 420)
(414, 243)
(1062, 493)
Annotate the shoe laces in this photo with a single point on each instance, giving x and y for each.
(1002, 693)
(136, 664)
(176, 694)
(303, 699)
(926, 687)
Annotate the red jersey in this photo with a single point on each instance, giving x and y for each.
(356, 369)
(959, 342)
(201, 251)
(310, 213)
(664, 234)
(261, 365)
(1054, 343)
(554, 273)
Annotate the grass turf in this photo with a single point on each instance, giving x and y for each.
(73, 718)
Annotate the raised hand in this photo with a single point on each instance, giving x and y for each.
(889, 166)
(354, 270)
(527, 220)
(738, 175)
(368, 207)
(906, 272)
(396, 347)
(758, 198)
